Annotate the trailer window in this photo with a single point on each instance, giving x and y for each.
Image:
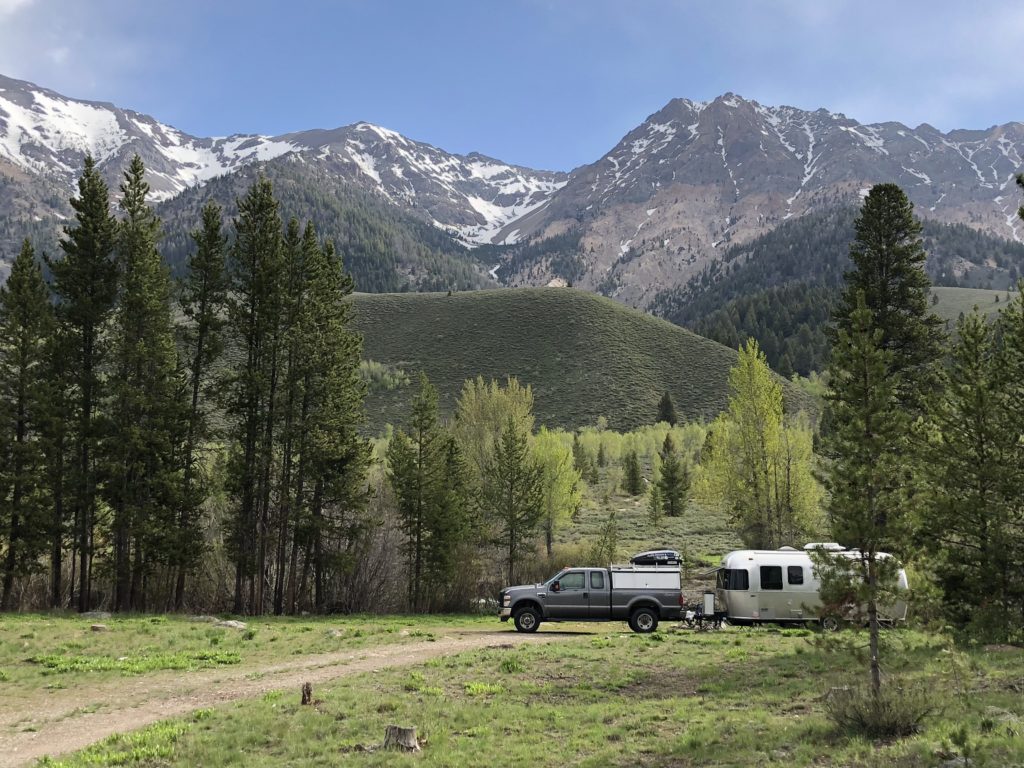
(771, 577)
(795, 574)
(596, 580)
(733, 578)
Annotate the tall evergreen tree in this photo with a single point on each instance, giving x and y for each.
(85, 282)
(888, 257)
(674, 483)
(254, 290)
(512, 493)
(26, 323)
(633, 479)
(148, 415)
(667, 410)
(867, 502)
(203, 297)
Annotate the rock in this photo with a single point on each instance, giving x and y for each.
(230, 624)
(95, 615)
(203, 619)
(336, 633)
(99, 628)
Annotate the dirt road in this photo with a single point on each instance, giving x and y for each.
(65, 725)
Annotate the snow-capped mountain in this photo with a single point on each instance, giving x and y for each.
(46, 136)
(697, 176)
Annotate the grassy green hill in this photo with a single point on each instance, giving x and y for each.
(585, 356)
(953, 301)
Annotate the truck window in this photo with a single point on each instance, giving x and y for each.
(771, 577)
(795, 574)
(733, 578)
(572, 580)
(596, 580)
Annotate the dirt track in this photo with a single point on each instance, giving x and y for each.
(70, 723)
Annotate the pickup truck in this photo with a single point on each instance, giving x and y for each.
(639, 594)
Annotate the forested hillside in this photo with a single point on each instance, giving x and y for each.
(780, 288)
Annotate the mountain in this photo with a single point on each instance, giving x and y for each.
(44, 137)
(584, 355)
(697, 177)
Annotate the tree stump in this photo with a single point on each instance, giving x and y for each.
(307, 694)
(399, 738)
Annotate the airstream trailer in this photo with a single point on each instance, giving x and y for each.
(780, 586)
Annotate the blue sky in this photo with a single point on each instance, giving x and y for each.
(544, 83)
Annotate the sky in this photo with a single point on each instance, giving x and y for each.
(542, 83)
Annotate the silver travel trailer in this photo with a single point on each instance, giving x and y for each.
(780, 586)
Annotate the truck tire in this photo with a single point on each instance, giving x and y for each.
(526, 619)
(643, 620)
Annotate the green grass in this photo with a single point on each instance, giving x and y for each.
(611, 698)
(953, 301)
(585, 356)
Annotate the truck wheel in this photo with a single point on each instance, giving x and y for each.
(643, 620)
(526, 619)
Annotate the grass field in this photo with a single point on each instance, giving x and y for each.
(953, 301)
(601, 696)
(585, 356)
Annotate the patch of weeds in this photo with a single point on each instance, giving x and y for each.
(146, 747)
(137, 665)
(483, 689)
(429, 636)
(511, 665)
(272, 695)
(416, 683)
(4, 677)
(249, 634)
(202, 714)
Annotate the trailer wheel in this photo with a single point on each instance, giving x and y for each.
(643, 620)
(526, 619)
(830, 624)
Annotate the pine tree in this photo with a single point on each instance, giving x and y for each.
(674, 483)
(26, 323)
(888, 258)
(512, 493)
(85, 282)
(654, 505)
(667, 410)
(633, 480)
(148, 413)
(969, 523)
(867, 503)
(203, 297)
(254, 290)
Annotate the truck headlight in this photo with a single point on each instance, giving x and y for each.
(506, 600)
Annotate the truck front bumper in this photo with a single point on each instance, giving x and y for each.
(505, 614)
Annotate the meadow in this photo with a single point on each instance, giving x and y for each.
(601, 696)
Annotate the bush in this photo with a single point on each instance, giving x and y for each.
(894, 711)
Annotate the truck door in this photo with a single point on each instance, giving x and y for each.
(571, 601)
(600, 596)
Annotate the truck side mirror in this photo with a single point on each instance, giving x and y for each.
(555, 587)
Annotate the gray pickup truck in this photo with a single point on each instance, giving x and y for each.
(639, 594)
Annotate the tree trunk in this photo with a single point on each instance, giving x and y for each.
(401, 739)
(876, 676)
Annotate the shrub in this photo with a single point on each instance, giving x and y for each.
(894, 711)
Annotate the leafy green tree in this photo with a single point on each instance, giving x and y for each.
(481, 414)
(148, 413)
(633, 479)
(26, 323)
(203, 293)
(85, 283)
(667, 410)
(757, 466)
(512, 493)
(888, 257)
(866, 478)
(674, 482)
(604, 549)
(561, 483)
(969, 523)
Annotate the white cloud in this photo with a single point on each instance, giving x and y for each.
(8, 7)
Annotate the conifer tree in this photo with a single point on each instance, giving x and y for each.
(203, 296)
(26, 323)
(512, 493)
(674, 483)
(867, 503)
(888, 258)
(633, 480)
(148, 413)
(85, 283)
(667, 410)
(654, 506)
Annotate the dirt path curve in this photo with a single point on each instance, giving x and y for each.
(61, 727)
